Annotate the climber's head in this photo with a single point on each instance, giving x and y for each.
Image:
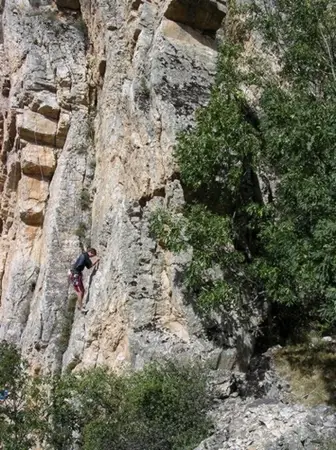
(92, 252)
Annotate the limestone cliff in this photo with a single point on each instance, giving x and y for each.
(93, 94)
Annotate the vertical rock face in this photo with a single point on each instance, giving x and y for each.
(44, 154)
(93, 95)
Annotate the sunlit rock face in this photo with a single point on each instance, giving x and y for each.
(93, 96)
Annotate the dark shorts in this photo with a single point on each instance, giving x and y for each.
(77, 282)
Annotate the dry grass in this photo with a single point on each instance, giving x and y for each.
(310, 370)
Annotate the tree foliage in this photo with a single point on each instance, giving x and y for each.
(271, 116)
(162, 407)
(20, 415)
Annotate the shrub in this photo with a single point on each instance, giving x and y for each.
(81, 230)
(170, 403)
(92, 164)
(310, 370)
(162, 407)
(167, 229)
(85, 199)
(144, 89)
(81, 26)
(64, 421)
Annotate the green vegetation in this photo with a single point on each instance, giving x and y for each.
(92, 164)
(145, 91)
(85, 199)
(81, 230)
(20, 419)
(81, 25)
(271, 119)
(162, 407)
(310, 370)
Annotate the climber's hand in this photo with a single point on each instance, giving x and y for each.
(96, 263)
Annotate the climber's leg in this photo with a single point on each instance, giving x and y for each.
(80, 292)
(77, 282)
(80, 296)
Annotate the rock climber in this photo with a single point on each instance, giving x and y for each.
(76, 273)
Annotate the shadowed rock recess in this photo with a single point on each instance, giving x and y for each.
(93, 94)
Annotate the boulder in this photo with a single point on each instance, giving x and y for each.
(38, 161)
(34, 127)
(33, 197)
(46, 104)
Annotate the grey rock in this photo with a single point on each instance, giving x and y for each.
(227, 359)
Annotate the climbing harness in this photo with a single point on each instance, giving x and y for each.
(75, 278)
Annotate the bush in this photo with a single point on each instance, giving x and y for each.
(92, 164)
(162, 407)
(64, 421)
(167, 229)
(310, 370)
(170, 402)
(81, 230)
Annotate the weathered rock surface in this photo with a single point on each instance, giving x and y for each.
(44, 85)
(92, 101)
(36, 128)
(93, 95)
(253, 412)
(269, 425)
(46, 104)
(38, 161)
(33, 194)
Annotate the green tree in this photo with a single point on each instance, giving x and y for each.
(162, 407)
(272, 114)
(64, 421)
(170, 402)
(20, 420)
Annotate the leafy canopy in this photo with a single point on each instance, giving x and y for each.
(259, 167)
